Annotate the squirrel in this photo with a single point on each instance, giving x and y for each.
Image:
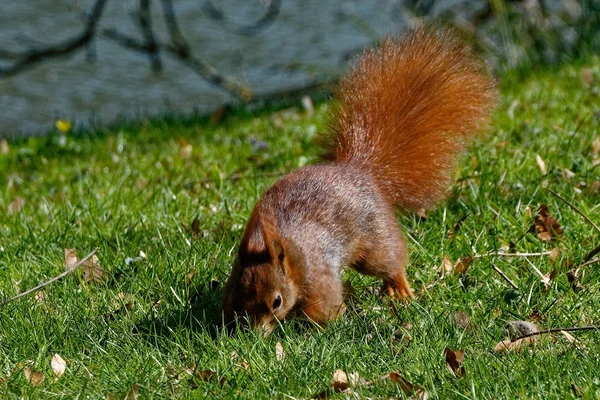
(406, 111)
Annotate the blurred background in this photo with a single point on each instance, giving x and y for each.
(92, 62)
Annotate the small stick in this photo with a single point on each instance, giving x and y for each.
(575, 209)
(594, 261)
(556, 330)
(67, 272)
(506, 278)
(591, 254)
(498, 253)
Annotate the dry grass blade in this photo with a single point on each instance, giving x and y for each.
(575, 209)
(67, 272)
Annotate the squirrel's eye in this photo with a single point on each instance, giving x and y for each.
(277, 302)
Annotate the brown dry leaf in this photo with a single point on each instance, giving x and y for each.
(134, 392)
(16, 205)
(446, 266)
(541, 164)
(92, 271)
(547, 278)
(307, 103)
(508, 345)
(461, 319)
(587, 76)
(70, 259)
(58, 365)
(4, 146)
(279, 353)
(454, 362)
(40, 296)
(195, 228)
(577, 390)
(546, 226)
(569, 337)
(462, 265)
(406, 386)
(207, 376)
(554, 255)
(596, 146)
(340, 381)
(186, 151)
(573, 278)
(35, 378)
(422, 213)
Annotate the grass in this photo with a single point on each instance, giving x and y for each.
(148, 328)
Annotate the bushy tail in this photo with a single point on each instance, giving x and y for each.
(406, 111)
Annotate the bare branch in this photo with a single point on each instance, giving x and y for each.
(506, 278)
(33, 57)
(557, 330)
(62, 275)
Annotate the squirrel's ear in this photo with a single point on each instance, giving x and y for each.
(275, 249)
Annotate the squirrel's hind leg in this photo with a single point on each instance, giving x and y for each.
(386, 259)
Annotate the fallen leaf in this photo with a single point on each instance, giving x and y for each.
(40, 296)
(63, 125)
(16, 205)
(573, 278)
(569, 337)
(406, 386)
(553, 255)
(547, 278)
(58, 365)
(186, 151)
(35, 378)
(587, 76)
(307, 103)
(508, 345)
(454, 362)
(447, 265)
(541, 164)
(134, 392)
(70, 259)
(279, 353)
(577, 390)
(92, 271)
(461, 319)
(4, 146)
(546, 226)
(462, 265)
(340, 381)
(195, 228)
(207, 376)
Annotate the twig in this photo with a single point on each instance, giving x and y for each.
(498, 253)
(506, 278)
(35, 56)
(62, 275)
(590, 262)
(575, 209)
(557, 330)
(591, 254)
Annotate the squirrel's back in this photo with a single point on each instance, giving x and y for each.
(407, 109)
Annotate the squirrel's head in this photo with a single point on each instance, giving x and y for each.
(261, 289)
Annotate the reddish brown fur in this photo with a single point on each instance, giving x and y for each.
(406, 111)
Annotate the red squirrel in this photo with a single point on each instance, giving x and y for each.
(406, 110)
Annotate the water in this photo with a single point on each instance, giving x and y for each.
(307, 42)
